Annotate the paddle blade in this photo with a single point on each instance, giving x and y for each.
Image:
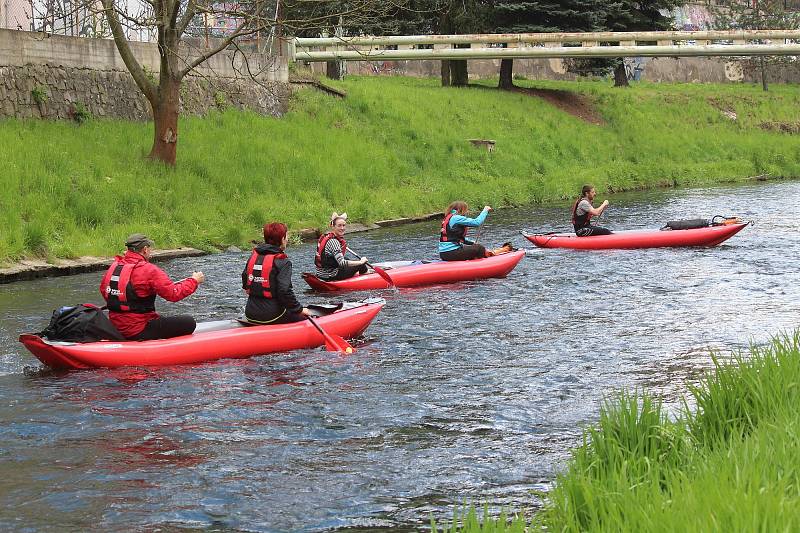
(338, 344)
(382, 273)
(333, 343)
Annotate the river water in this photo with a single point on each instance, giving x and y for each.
(471, 392)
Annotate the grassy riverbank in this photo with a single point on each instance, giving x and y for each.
(394, 147)
(728, 463)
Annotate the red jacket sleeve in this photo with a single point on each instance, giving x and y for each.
(150, 278)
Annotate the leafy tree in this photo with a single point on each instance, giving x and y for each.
(755, 15)
(541, 17)
(630, 15)
(508, 16)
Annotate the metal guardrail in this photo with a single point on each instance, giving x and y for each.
(549, 45)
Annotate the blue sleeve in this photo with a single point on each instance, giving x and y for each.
(461, 220)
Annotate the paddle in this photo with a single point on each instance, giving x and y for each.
(333, 343)
(379, 271)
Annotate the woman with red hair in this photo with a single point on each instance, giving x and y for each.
(267, 280)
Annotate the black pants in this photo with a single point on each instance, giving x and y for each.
(286, 318)
(166, 327)
(588, 231)
(346, 272)
(466, 252)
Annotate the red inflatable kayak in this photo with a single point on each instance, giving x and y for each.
(707, 236)
(415, 273)
(211, 340)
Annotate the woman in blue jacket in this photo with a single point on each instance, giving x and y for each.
(453, 242)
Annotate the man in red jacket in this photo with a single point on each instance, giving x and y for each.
(130, 287)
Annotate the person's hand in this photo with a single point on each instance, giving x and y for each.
(364, 260)
(199, 277)
(305, 312)
(487, 208)
(605, 203)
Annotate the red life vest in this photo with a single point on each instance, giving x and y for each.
(120, 295)
(456, 234)
(259, 267)
(328, 262)
(582, 221)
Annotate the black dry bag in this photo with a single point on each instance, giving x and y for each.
(692, 223)
(81, 323)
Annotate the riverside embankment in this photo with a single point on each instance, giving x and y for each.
(393, 147)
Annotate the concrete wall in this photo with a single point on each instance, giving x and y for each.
(19, 48)
(77, 73)
(684, 69)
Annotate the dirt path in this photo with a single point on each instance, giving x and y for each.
(573, 103)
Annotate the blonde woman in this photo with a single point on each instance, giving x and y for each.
(330, 259)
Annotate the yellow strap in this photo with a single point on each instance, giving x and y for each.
(262, 322)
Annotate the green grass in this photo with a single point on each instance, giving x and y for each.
(728, 463)
(394, 147)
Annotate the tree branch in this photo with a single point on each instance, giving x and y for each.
(219, 48)
(124, 49)
(191, 11)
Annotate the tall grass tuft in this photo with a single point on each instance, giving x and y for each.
(469, 522)
(734, 400)
(729, 464)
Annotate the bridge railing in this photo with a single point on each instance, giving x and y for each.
(548, 45)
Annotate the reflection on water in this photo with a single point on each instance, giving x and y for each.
(469, 392)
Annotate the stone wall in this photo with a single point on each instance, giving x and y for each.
(53, 92)
(57, 77)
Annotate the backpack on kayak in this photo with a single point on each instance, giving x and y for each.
(81, 323)
(692, 223)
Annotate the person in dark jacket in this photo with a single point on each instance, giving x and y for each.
(267, 280)
(130, 287)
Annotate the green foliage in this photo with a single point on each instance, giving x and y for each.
(220, 100)
(726, 462)
(35, 238)
(524, 16)
(150, 75)
(39, 94)
(80, 113)
(470, 523)
(394, 147)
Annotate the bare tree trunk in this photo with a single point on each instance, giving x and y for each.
(445, 73)
(506, 74)
(620, 79)
(165, 120)
(333, 69)
(459, 76)
(763, 74)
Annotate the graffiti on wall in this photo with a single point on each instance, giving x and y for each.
(692, 17)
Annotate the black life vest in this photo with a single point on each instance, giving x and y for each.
(456, 234)
(259, 268)
(580, 221)
(120, 294)
(327, 261)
